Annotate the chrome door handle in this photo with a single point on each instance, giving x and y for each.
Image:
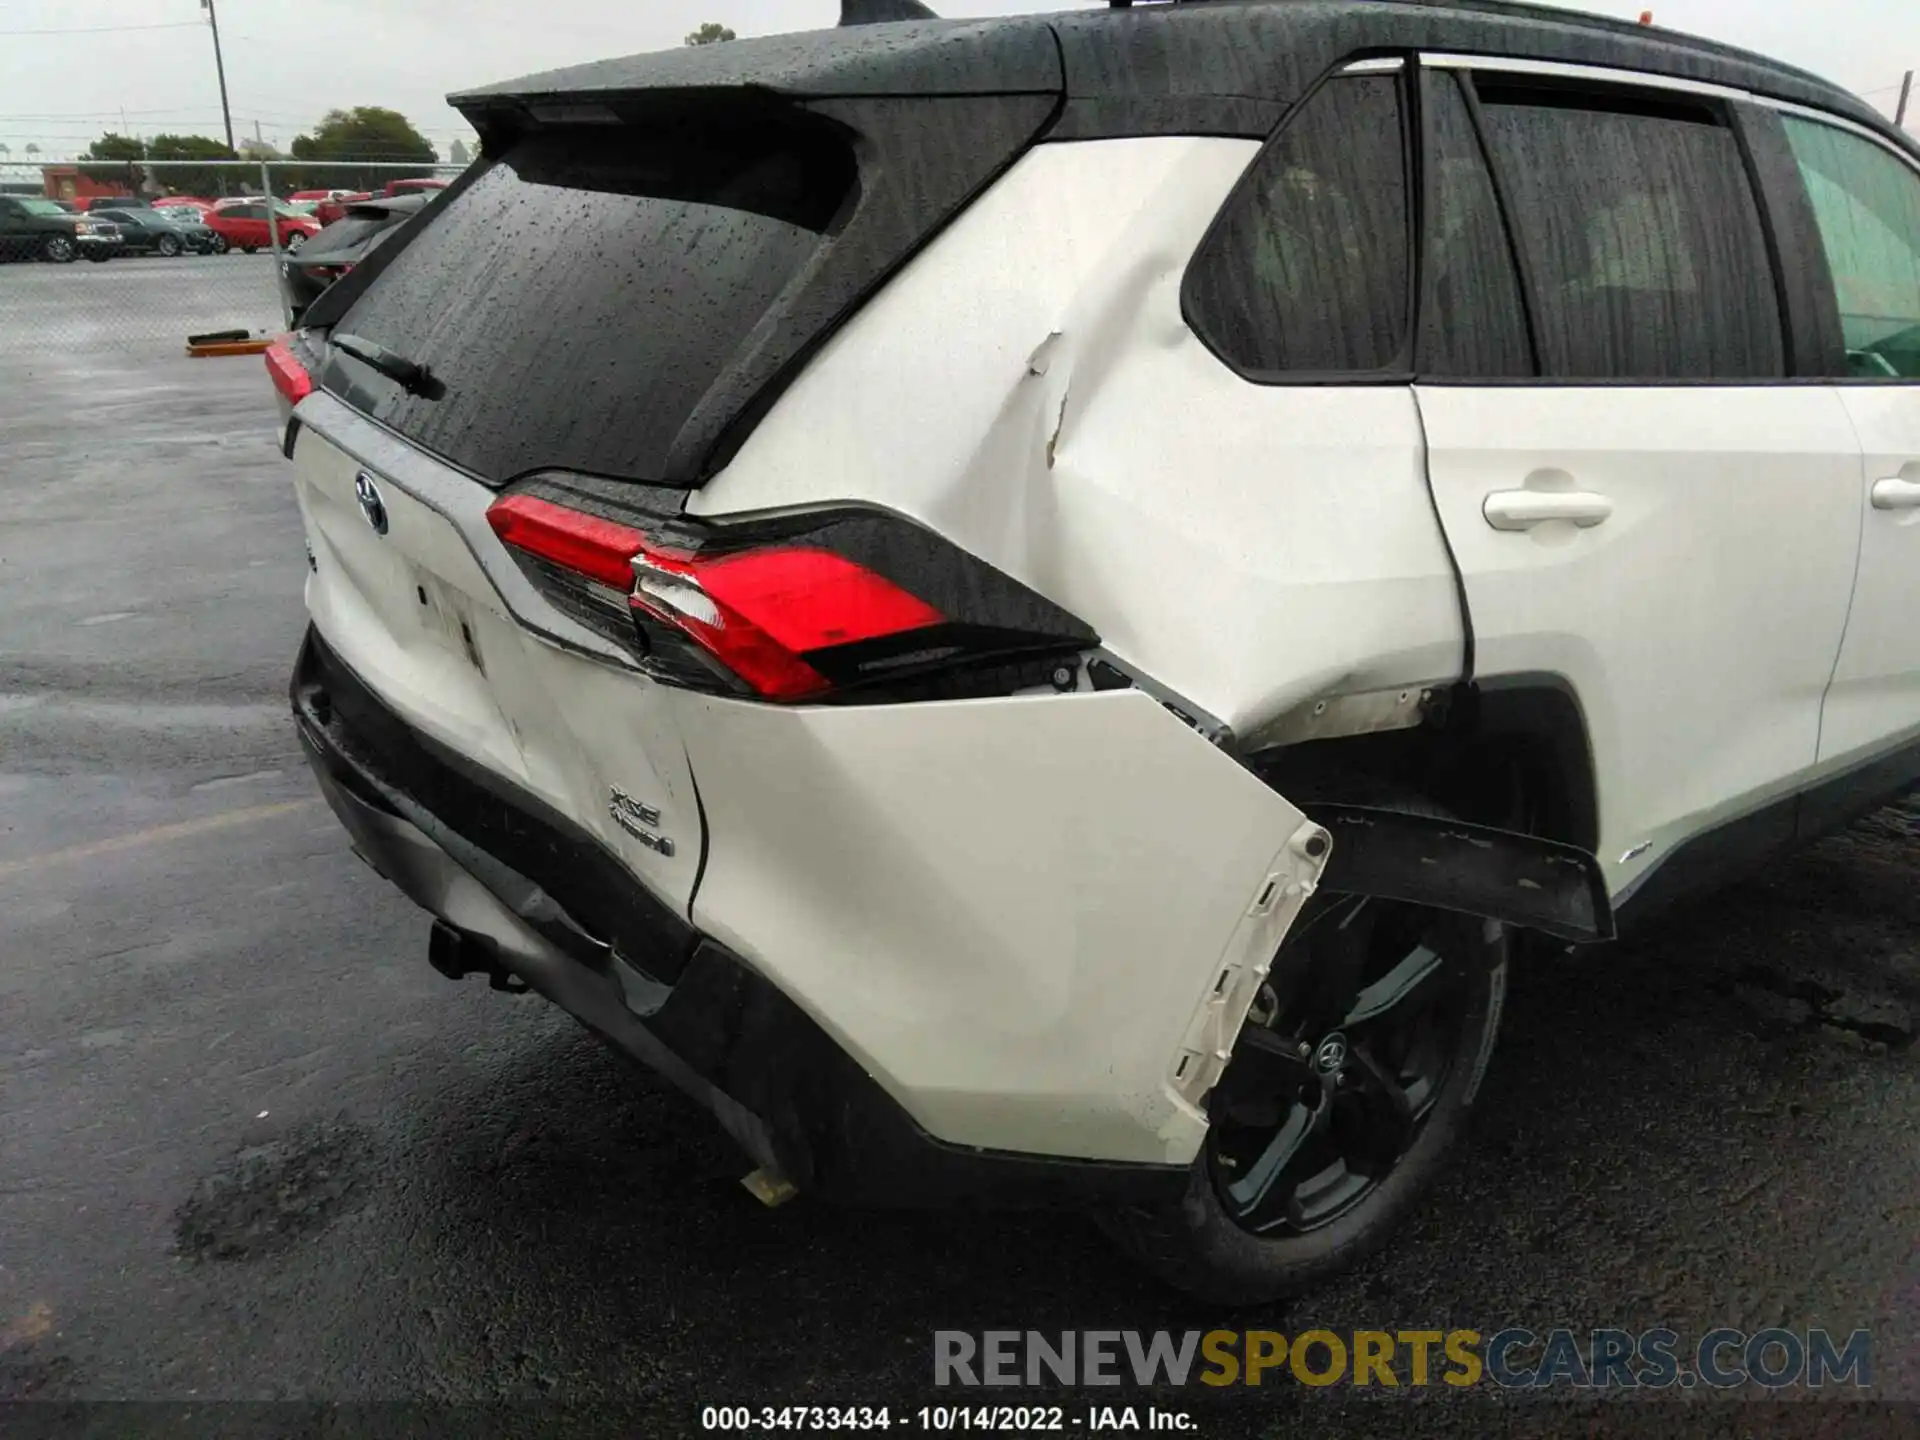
(1524, 509)
(1896, 494)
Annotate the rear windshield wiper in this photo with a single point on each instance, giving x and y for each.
(414, 378)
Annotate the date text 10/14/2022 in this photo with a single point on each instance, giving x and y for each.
(983, 1419)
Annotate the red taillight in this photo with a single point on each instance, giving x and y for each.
(813, 599)
(585, 544)
(290, 377)
(757, 611)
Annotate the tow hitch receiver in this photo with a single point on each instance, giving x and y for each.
(457, 955)
(1473, 869)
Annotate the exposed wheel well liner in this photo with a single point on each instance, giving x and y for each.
(1508, 750)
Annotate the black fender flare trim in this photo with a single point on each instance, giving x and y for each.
(1520, 880)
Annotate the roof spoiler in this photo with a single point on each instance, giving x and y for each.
(876, 12)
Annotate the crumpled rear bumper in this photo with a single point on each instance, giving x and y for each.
(792, 1098)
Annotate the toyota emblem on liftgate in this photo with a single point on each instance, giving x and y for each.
(371, 505)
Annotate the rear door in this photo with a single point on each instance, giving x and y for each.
(1866, 206)
(1642, 505)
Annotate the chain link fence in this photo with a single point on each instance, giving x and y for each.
(217, 269)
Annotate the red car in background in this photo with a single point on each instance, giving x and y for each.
(328, 211)
(243, 225)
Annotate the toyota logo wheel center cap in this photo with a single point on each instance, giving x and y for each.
(1331, 1055)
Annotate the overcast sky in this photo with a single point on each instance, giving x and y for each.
(290, 60)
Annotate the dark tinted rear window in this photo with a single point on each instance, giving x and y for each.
(578, 299)
(1643, 238)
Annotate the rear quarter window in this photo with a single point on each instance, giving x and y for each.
(1306, 270)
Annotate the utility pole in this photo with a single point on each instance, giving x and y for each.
(220, 67)
(1906, 94)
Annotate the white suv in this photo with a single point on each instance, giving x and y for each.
(1024, 607)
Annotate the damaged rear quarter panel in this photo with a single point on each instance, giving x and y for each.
(1036, 921)
(1028, 387)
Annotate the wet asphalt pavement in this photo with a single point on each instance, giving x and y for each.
(252, 1148)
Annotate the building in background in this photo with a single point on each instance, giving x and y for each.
(70, 182)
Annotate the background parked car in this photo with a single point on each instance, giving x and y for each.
(174, 202)
(328, 211)
(155, 232)
(31, 227)
(340, 246)
(243, 225)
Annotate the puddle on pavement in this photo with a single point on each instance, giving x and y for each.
(270, 1194)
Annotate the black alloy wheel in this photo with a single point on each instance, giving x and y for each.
(1352, 1078)
(1325, 1095)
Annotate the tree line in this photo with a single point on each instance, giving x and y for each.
(333, 155)
(322, 160)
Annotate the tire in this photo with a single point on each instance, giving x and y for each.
(219, 246)
(59, 249)
(99, 257)
(294, 241)
(250, 249)
(168, 245)
(1198, 1245)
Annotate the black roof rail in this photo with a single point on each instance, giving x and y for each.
(878, 12)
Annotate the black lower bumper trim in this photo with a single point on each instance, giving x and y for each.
(488, 813)
(721, 1031)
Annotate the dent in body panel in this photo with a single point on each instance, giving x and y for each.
(921, 161)
(1250, 547)
(976, 935)
(415, 614)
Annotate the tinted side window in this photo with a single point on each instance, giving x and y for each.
(1307, 268)
(1867, 205)
(1641, 235)
(1471, 320)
